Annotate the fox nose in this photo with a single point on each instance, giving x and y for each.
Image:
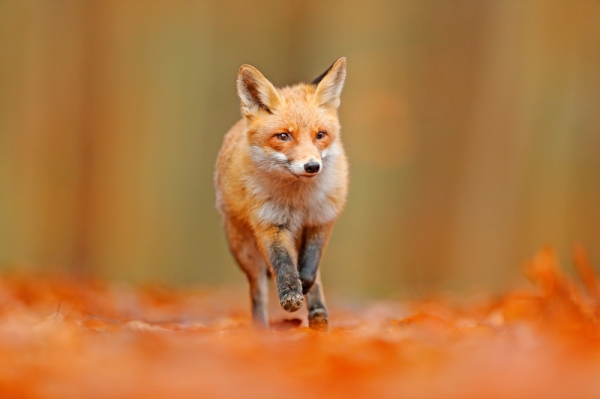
(312, 167)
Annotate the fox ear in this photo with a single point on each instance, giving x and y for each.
(330, 83)
(255, 91)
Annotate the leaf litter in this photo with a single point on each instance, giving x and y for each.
(67, 337)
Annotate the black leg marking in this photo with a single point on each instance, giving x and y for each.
(310, 256)
(318, 317)
(289, 287)
(313, 244)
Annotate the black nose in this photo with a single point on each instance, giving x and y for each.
(312, 167)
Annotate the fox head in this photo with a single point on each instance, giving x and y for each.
(293, 132)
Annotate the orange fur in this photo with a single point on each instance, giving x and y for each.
(271, 202)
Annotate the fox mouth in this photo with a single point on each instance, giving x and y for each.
(309, 177)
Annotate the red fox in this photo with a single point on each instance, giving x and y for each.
(281, 181)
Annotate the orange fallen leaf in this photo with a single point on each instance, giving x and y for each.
(65, 337)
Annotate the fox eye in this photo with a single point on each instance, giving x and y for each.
(321, 135)
(283, 136)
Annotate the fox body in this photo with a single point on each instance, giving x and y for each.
(281, 181)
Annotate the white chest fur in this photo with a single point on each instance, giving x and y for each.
(293, 203)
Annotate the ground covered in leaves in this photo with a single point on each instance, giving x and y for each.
(62, 337)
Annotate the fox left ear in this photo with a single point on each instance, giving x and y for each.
(330, 84)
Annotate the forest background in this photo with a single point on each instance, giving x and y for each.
(472, 129)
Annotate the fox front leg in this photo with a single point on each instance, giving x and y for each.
(277, 246)
(314, 241)
(318, 317)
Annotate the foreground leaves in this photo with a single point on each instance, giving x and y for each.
(66, 338)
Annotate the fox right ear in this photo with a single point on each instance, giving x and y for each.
(256, 92)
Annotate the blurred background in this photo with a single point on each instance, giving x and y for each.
(472, 127)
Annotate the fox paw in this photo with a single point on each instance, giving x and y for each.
(291, 301)
(318, 320)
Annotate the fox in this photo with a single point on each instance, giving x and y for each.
(281, 181)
